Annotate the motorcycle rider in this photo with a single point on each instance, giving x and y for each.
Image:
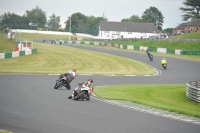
(163, 61)
(70, 76)
(149, 54)
(60, 41)
(89, 84)
(147, 51)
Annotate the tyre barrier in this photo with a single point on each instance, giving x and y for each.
(193, 90)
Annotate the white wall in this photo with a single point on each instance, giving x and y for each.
(54, 33)
(41, 32)
(116, 34)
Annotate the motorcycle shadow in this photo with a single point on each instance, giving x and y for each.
(60, 89)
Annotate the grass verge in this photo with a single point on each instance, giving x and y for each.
(194, 35)
(4, 131)
(163, 44)
(6, 45)
(37, 36)
(168, 97)
(57, 59)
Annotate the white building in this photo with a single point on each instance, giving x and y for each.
(115, 30)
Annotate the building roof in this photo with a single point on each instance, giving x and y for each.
(128, 27)
(180, 26)
(194, 22)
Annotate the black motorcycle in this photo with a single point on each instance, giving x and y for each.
(150, 55)
(60, 82)
(164, 65)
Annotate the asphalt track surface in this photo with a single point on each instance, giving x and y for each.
(29, 104)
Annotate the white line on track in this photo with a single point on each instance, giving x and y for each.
(153, 112)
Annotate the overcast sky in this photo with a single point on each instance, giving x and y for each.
(113, 10)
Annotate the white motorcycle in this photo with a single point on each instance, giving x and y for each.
(81, 92)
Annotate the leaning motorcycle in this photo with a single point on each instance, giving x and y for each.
(164, 65)
(150, 56)
(82, 92)
(60, 82)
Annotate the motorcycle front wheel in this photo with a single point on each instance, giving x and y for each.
(57, 85)
(80, 95)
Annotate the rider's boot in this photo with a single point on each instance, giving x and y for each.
(67, 86)
(71, 96)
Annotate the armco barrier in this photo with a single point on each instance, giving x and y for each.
(170, 51)
(138, 48)
(190, 52)
(17, 53)
(8, 55)
(193, 90)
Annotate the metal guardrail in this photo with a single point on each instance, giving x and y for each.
(148, 39)
(193, 90)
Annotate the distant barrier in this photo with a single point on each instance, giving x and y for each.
(17, 53)
(132, 47)
(150, 39)
(193, 90)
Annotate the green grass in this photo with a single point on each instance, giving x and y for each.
(163, 44)
(168, 97)
(3, 131)
(194, 35)
(6, 45)
(37, 36)
(183, 45)
(56, 59)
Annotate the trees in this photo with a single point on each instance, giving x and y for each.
(191, 9)
(36, 15)
(84, 24)
(133, 18)
(13, 20)
(53, 22)
(94, 24)
(153, 15)
(169, 31)
(10, 20)
(78, 23)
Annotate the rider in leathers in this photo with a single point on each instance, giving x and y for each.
(70, 76)
(163, 61)
(89, 84)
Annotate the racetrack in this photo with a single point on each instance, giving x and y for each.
(29, 104)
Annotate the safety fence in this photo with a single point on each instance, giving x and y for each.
(193, 90)
(150, 39)
(17, 53)
(132, 47)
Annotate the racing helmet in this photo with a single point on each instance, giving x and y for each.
(74, 70)
(163, 58)
(90, 80)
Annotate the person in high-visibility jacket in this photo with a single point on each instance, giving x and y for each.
(60, 42)
(163, 61)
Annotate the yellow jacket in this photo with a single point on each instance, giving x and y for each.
(163, 61)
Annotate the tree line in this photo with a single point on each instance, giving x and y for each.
(80, 23)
